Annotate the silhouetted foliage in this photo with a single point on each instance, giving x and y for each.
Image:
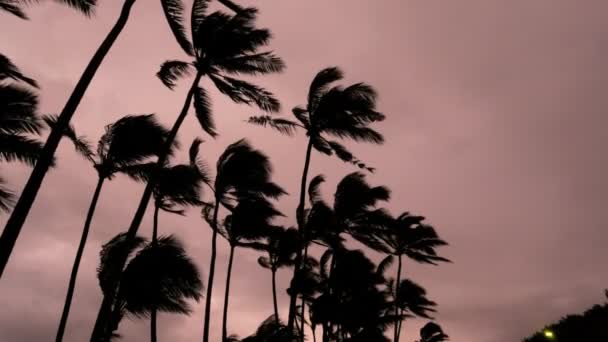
(15, 6)
(432, 332)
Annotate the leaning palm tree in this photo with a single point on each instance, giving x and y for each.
(14, 6)
(18, 122)
(247, 223)
(408, 300)
(408, 236)
(330, 111)
(280, 245)
(126, 143)
(14, 224)
(242, 174)
(158, 276)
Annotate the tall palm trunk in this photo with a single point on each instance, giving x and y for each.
(211, 272)
(153, 336)
(108, 300)
(227, 295)
(274, 296)
(303, 311)
(83, 240)
(397, 320)
(28, 195)
(300, 219)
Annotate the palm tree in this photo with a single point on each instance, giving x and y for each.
(247, 223)
(18, 121)
(270, 330)
(14, 6)
(432, 332)
(222, 45)
(330, 111)
(280, 245)
(408, 236)
(126, 143)
(177, 186)
(159, 276)
(17, 219)
(242, 174)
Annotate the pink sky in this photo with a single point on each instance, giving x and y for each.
(495, 131)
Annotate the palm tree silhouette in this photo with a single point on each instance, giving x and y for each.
(14, 6)
(18, 122)
(159, 276)
(408, 236)
(126, 143)
(270, 330)
(330, 111)
(432, 332)
(222, 45)
(247, 224)
(242, 174)
(280, 245)
(15, 222)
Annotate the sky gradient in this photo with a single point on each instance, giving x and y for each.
(495, 127)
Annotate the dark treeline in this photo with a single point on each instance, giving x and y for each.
(336, 293)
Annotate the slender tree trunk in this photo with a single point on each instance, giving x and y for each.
(274, 296)
(300, 219)
(227, 296)
(303, 311)
(211, 272)
(83, 240)
(108, 300)
(28, 195)
(314, 334)
(397, 320)
(153, 317)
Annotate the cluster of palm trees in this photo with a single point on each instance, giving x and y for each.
(336, 290)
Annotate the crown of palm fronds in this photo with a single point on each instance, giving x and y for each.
(432, 332)
(412, 299)
(178, 186)
(223, 46)
(110, 254)
(249, 221)
(160, 276)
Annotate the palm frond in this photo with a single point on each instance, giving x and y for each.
(202, 106)
(174, 12)
(244, 92)
(385, 264)
(8, 70)
(178, 186)
(195, 161)
(199, 10)
(12, 7)
(111, 253)
(301, 115)
(18, 107)
(320, 144)
(84, 6)
(283, 126)
(81, 144)
(14, 147)
(7, 197)
(320, 83)
(171, 71)
(356, 133)
(252, 64)
(432, 332)
(314, 192)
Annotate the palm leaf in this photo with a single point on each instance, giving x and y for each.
(12, 7)
(254, 64)
(7, 197)
(199, 9)
(283, 126)
(385, 264)
(15, 147)
(81, 144)
(314, 192)
(10, 70)
(244, 92)
(174, 12)
(320, 83)
(84, 6)
(111, 253)
(18, 107)
(171, 71)
(202, 108)
(201, 166)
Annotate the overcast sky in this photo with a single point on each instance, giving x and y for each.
(495, 132)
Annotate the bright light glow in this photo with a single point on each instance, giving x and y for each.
(549, 334)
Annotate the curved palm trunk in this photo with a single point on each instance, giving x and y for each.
(211, 273)
(227, 295)
(274, 296)
(83, 240)
(28, 195)
(108, 299)
(397, 320)
(300, 219)
(153, 335)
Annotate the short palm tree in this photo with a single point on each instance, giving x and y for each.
(280, 245)
(222, 45)
(159, 276)
(432, 332)
(408, 236)
(330, 111)
(18, 122)
(247, 223)
(126, 143)
(14, 6)
(242, 173)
